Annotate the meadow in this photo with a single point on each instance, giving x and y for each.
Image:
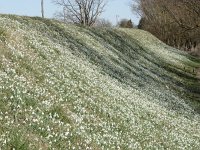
(64, 86)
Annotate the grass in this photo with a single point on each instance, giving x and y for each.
(71, 87)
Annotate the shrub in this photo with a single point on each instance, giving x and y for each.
(124, 23)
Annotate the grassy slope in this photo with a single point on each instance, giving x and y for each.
(64, 86)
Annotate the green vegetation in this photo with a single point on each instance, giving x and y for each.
(72, 87)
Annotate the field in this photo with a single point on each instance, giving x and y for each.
(70, 87)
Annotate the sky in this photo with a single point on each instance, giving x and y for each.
(114, 10)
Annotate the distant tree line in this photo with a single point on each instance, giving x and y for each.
(86, 12)
(175, 22)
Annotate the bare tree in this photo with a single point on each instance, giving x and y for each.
(42, 8)
(175, 22)
(84, 12)
(103, 23)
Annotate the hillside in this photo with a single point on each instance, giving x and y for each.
(70, 87)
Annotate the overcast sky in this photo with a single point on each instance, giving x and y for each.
(115, 9)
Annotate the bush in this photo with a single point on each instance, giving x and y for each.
(124, 23)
